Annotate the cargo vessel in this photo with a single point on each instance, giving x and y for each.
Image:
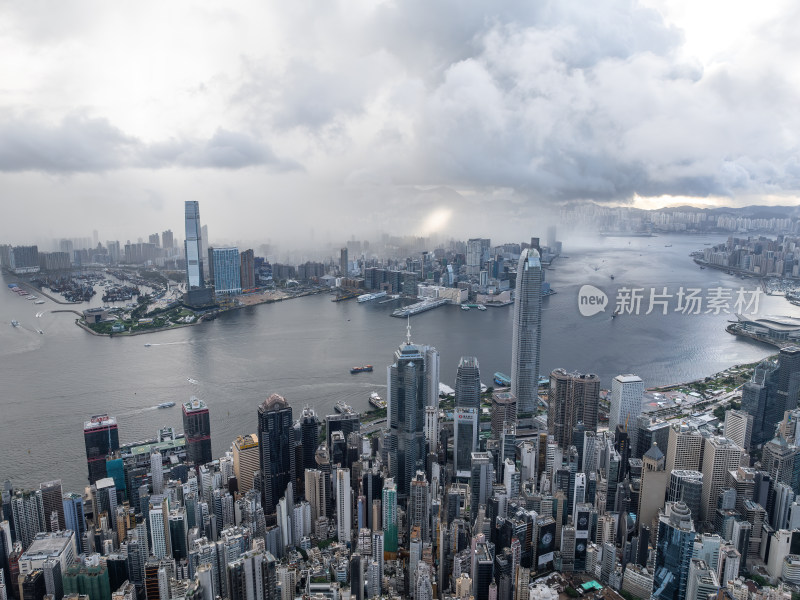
(342, 407)
(364, 369)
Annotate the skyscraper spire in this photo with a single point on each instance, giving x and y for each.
(408, 331)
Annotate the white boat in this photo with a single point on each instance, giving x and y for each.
(147, 345)
(39, 302)
(481, 307)
(40, 331)
(464, 307)
(166, 405)
(15, 323)
(190, 380)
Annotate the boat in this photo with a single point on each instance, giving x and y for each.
(15, 323)
(166, 405)
(39, 302)
(40, 331)
(190, 380)
(702, 267)
(364, 369)
(614, 316)
(464, 307)
(502, 379)
(612, 277)
(147, 345)
(32, 298)
(667, 245)
(376, 401)
(342, 407)
(481, 307)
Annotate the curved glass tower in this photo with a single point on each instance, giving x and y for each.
(527, 336)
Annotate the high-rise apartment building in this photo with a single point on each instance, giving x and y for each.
(626, 404)
(343, 268)
(101, 437)
(276, 441)
(344, 505)
(527, 331)
(477, 254)
(167, 239)
(197, 429)
(573, 398)
(389, 506)
(247, 277)
(684, 448)
(227, 271)
(504, 412)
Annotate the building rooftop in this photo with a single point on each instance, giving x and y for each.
(46, 545)
(194, 404)
(99, 421)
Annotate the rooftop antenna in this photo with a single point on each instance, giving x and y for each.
(408, 331)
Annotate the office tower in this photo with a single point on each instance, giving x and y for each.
(419, 505)
(194, 246)
(158, 514)
(504, 412)
(52, 501)
(316, 493)
(101, 438)
(409, 388)
(33, 585)
(167, 239)
(309, 428)
(344, 505)
(468, 383)
(626, 404)
(465, 417)
(247, 270)
(343, 262)
(778, 459)
(684, 448)
(227, 271)
(739, 428)
(105, 495)
(527, 332)
(572, 398)
(759, 398)
(483, 574)
(720, 455)
(74, 519)
(157, 472)
(346, 423)
(245, 460)
(197, 429)
(651, 430)
(686, 486)
(702, 581)
(389, 505)
(674, 548)
(27, 514)
(653, 486)
(276, 441)
(788, 366)
(482, 478)
(477, 254)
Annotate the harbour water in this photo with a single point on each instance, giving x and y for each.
(304, 349)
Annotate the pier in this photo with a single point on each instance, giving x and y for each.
(415, 309)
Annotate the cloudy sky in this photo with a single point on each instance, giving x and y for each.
(318, 120)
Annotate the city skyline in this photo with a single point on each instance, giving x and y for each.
(387, 106)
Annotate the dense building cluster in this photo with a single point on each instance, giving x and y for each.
(757, 255)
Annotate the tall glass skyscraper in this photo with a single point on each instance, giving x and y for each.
(468, 401)
(409, 382)
(197, 428)
(227, 271)
(527, 336)
(194, 240)
(674, 547)
(276, 441)
(102, 438)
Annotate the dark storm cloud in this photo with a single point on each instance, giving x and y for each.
(80, 144)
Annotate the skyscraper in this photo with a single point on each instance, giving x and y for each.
(344, 505)
(101, 438)
(626, 404)
(197, 428)
(276, 442)
(309, 428)
(720, 455)
(465, 418)
(759, 397)
(389, 505)
(247, 261)
(343, 262)
(193, 246)
(572, 398)
(245, 460)
(227, 271)
(409, 390)
(674, 546)
(527, 332)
